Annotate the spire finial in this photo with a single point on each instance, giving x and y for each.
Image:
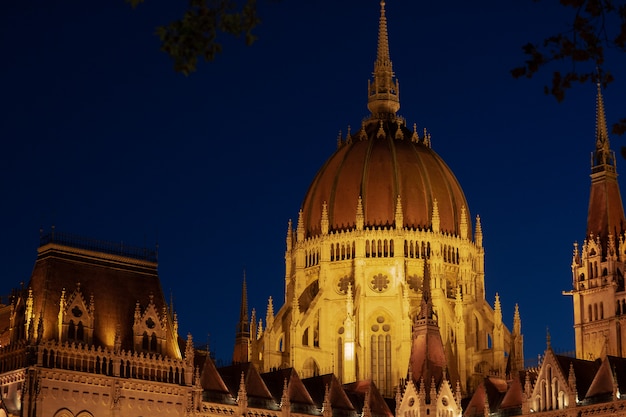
(602, 153)
(383, 92)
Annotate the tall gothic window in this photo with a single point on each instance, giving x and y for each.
(380, 348)
(340, 358)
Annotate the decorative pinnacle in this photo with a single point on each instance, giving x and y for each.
(243, 328)
(383, 93)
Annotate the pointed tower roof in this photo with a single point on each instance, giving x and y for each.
(428, 358)
(383, 99)
(242, 338)
(606, 212)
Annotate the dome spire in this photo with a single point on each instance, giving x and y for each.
(603, 153)
(383, 93)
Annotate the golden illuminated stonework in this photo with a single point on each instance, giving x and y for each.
(382, 207)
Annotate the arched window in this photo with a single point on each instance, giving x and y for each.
(80, 332)
(145, 342)
(380, 349)
(71, 331)
(340, 358)
(153, 343)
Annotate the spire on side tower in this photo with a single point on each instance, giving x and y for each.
(242, 338)
(606, 211)
(383, 93)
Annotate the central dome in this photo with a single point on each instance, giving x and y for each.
(385, 174)
(382, 161)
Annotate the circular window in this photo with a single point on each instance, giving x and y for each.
(77, 312)
(444, 401)
(375, 327)
(342, 284)
(379, 283)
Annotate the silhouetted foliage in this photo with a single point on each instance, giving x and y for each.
(596, 27)
(198, 32)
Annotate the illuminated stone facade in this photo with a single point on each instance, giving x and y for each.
(385, 310)
(92, 335)
(598, 265)
(382, 206)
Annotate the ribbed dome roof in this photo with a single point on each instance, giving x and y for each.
(382, 162)
(378, 168)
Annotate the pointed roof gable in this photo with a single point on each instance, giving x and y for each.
(316, 386)
(618, 366)
(602, 384)
(476, 405)
(514, 395)
(584, 371)
(357, 391)
(210, 379)
(495, 391)
(297, 392)
(255, 387)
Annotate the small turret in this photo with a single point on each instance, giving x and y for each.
(399, 217)
(464, 227)
(289, 238)
(360, 217)
(300, 229)
(436, 220)
(269, 315)
(478, 235)
(324, 222)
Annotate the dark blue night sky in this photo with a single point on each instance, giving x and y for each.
(100, 137)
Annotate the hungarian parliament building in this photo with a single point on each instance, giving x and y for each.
(384, 285)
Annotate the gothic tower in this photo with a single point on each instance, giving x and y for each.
(598, 266)
(381, 206)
